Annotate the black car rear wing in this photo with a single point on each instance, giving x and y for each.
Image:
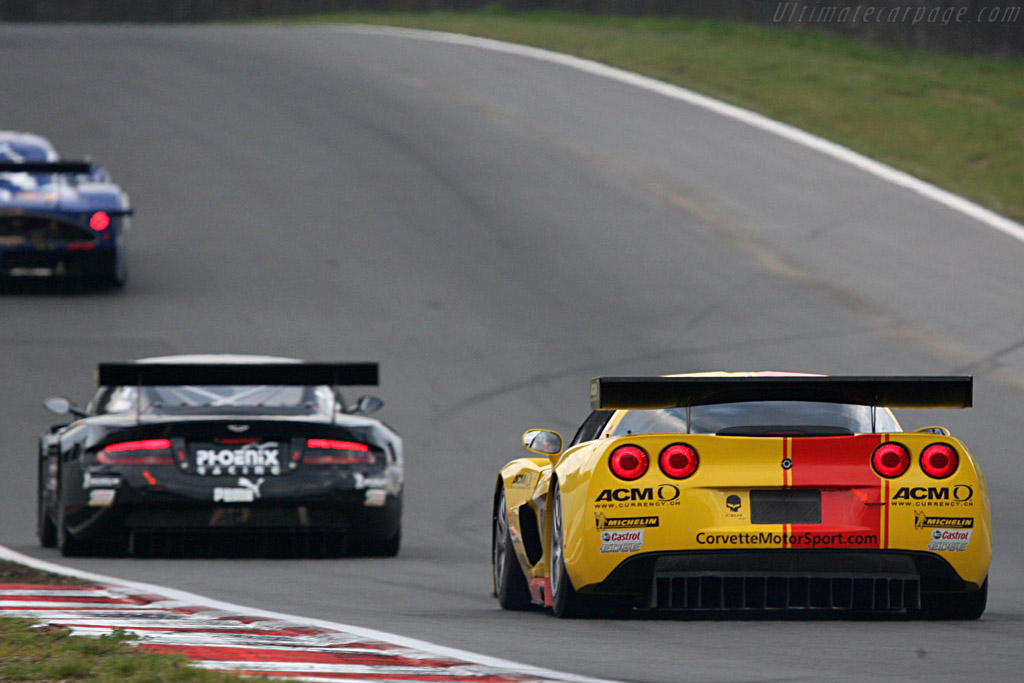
(278, 374)
(56, 167)
(613, 393)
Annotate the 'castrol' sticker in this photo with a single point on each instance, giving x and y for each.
(255, 459)
(950, 540)
(625, 541)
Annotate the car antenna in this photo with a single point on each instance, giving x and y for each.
(138, 400)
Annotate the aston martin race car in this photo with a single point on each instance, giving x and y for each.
(58, 218)
(747, 494)
(222, 454)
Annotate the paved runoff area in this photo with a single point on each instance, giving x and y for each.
(230, 638)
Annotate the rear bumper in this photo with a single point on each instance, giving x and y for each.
(304, 527)
(846, 581)
(29, 263)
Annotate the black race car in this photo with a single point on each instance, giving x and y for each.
(222, 454)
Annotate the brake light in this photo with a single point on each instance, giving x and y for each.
(99, 221)
(939, 460)
(145, 452)
(679, 460)
(628, 462)
(335, 452)
(890, 459)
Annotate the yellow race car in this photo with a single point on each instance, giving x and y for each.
(747, 493)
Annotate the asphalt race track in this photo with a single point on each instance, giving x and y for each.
(496, 230)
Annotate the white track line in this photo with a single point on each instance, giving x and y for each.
(178, 596)
(838, 152)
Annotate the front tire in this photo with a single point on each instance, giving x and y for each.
(508, 580)
(46, 530)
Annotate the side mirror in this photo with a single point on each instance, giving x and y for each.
(366, 405)
(58, 405)
(543, 442)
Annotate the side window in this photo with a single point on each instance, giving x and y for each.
(591, 427)
(656, 421)
(885, 421)
(119, 400)
(98, 400)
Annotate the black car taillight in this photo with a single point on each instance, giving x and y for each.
(145, 452)
(336, 452)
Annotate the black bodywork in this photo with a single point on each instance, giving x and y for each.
(316, 480)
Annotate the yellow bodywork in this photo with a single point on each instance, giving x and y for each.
(608, 520)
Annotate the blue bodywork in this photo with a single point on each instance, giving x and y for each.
(58, 218)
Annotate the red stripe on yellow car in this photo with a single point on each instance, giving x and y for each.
(885, 508)
(852, 503)
(785, 484)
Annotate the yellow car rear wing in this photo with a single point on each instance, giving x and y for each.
(640, 393)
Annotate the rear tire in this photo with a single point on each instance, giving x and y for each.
(509, 583)
(566, 603)
(119, 273)
(68, 545)
(956, 606)
(381, 547)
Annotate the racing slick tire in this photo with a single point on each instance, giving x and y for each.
(957, 606)
(113, 277)
(68, 545)
(119, 273)
(566, 603)
(46, 530)
(381, 547)
(509, 583)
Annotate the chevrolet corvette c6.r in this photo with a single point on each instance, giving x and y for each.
(747, 493)
(222, 454)
(58, 218)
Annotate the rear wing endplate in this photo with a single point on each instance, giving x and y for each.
(278, 374)
(614, 393)
(58, 167)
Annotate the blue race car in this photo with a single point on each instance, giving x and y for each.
(58, 218)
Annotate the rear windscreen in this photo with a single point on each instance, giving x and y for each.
(711, 419)
(217, 399)
(40, 228)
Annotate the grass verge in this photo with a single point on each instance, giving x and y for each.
(954, 120)
(30, 652)
(33, 652)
